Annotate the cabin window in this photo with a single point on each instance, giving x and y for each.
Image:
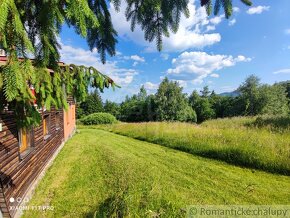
(57, 121)
(46, 126)
(25, 136)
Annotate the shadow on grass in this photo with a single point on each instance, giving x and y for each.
(280, 123)
(114, 206)
(237, 158)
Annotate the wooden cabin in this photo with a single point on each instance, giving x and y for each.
(25, 153)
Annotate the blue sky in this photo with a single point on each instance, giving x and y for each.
(206, 50)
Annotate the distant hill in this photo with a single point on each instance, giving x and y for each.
(230, 94)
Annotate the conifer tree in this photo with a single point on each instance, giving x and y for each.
(30, 27)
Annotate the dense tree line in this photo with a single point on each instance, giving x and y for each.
(169, 103)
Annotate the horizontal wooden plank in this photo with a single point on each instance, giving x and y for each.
(17, 174)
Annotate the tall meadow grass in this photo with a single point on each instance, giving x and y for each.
(238, 141)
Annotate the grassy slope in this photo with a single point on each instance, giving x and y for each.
(102, 172)
(230, 140)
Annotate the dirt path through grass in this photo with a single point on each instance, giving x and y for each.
(104, 174)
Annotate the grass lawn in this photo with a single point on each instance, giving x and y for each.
(235, 141)
(108, 175)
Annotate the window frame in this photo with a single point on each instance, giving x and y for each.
(46, 126)
(29, 141)
(57, 120)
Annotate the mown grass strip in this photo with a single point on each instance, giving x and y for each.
(101, 174)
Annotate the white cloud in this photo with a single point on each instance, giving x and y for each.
(214, 75)
(191, 33)
(242, 58)
(236, 9)
(232, 22)
(198, 80)
(196, 66)
(118, 53)
(164, 56)
(182, 83)
(137, 58)
(283, 71)
(258, 10)
(216, 20)
(287, 31)
(134, 58)
(135, 64)
(151, 86)
(80, 56)
(210, 28)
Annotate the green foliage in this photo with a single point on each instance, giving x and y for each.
(186, 115)
(1, 80)
(104, 36)
(51, 88)
(17, 77)
(286, 85)
(171, 103)
(226, 4)
(98, 118)
(202, 105)
(27, 116)
(251, 95)
(157, 18)
(112, 108)
(138, 108)
(33, 27)
(274, 123)
(133, 109)
(273, 100)
(205, 92)
(263, 99)
(92, 104)
(254, 99)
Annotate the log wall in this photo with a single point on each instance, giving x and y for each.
(18, 172)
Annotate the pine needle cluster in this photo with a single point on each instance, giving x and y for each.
(31, 28)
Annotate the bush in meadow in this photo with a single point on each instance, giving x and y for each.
(99, 118)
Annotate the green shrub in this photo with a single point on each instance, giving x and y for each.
(98, 118)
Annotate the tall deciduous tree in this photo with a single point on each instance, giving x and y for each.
(274, 100)
(251, 95)
(172, 104)
(205, 92)
(202, 105)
